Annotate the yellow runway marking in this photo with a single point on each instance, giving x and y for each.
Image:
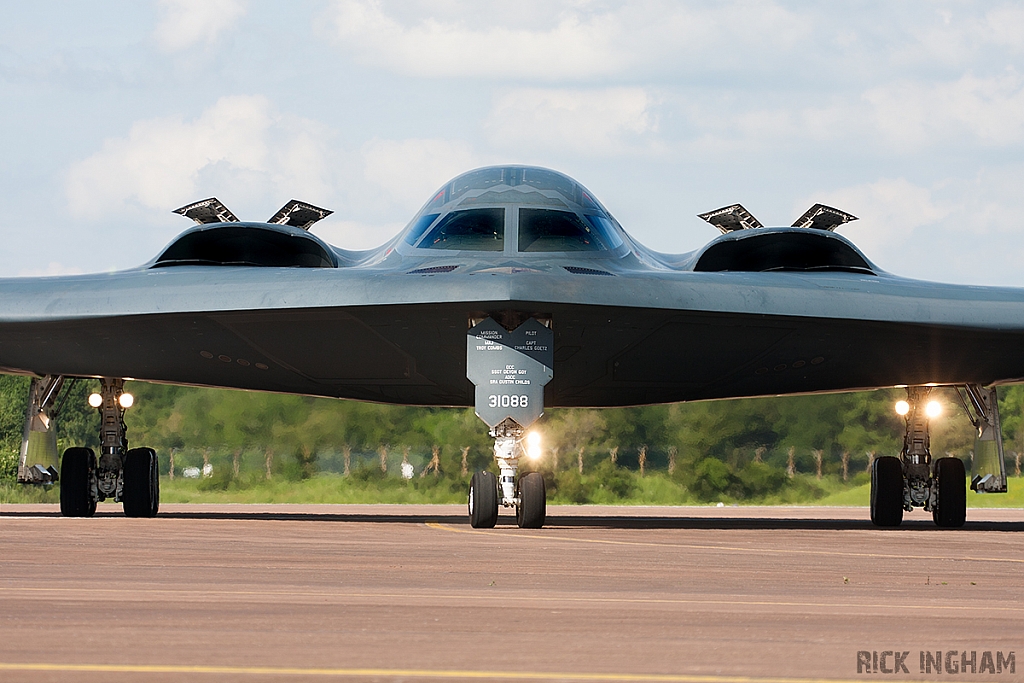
(404, 673)
(726, 548)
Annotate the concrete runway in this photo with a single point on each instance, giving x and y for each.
(406, 593)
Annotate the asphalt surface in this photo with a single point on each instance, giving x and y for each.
(394, 593)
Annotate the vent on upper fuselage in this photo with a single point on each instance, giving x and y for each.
(432, 270)
(580, 270)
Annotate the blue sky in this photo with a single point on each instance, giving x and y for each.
(909, 115)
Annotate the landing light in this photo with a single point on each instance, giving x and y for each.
(126, 400)
(95, 400)
(933, 409)
(533, 445)
(902, 407)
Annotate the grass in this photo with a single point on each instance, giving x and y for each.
(368, 487)
(860, 496)
(18, 493)
(323, 488)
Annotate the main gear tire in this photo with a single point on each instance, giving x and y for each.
(77, 466)
(141, 493)
(887, 491)
(950, 511)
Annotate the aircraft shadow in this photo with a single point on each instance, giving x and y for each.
(555, 522)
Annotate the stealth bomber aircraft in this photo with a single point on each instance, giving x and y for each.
(513, 289)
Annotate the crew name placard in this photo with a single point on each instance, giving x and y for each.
(509, 370)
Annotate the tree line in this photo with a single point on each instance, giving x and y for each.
(742, 449)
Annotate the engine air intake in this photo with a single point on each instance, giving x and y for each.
(247, 245)
(784, 250)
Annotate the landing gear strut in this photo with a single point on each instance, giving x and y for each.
(526, 493)
(914, 479)
(131, 477)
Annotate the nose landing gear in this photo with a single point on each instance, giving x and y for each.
(509, 362)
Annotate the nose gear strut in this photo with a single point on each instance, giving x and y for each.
(509, 368)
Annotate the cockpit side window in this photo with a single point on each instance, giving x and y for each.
(550, 230)
(418, 228)
(606, 228)
(472, 230)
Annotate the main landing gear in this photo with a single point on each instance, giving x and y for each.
(913, 479)
(129, 476)
(525, 493)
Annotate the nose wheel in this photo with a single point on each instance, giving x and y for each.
(532, 507)
(483, 500)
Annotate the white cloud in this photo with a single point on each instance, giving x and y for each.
(434, 48)
(546, 40)
(958, 37)
(239, 147)
(184, 23)
(958, 230)
(1004, 26)
(915, 113)
(901, 116)
(590, 122)
(889, 210)
(409, 170)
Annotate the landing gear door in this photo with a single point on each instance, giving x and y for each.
(509, 370)
(988, 474)
(38, 460)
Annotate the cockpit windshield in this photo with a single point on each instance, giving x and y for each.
(546, 212)
(472, 230)
(549, 230)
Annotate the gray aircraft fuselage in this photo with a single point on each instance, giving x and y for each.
(270, 307)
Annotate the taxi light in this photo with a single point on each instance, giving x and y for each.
(126, 400)
(533, 445)
(902, 407)
(933, 409)
(95, 400)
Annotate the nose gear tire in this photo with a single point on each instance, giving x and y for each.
(483, 500)
(532, 508)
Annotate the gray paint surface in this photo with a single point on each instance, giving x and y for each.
(630, 326)
(509, 370)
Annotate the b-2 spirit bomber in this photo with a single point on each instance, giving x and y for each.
(512, 289)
